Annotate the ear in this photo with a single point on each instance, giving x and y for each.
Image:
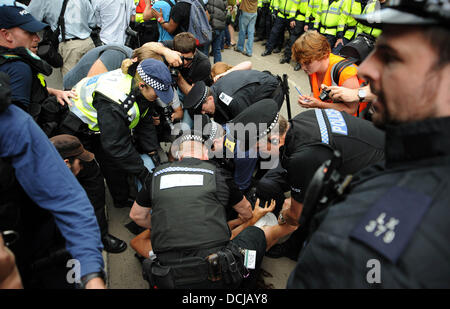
(68, 163)
(142, 85)
(210, 100)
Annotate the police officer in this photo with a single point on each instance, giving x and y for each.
(191, 236)
(18, 47)
(233, 93)
(391, 229)
(310, 139)
(108, 108)
(41, 200)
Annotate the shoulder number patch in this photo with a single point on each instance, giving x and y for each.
(225, 98)
(391, 222)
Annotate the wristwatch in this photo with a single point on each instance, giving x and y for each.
(86, 278)
(361, 94)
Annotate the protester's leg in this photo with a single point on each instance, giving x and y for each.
(216, 45)
(251, 33)
(72, 51)
(243, 22)
(142, 244)
(252, 238)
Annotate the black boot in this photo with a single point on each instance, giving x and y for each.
(298, 66)
(284, 60)
(113, 244)
(266, 53)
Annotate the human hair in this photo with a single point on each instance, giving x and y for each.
(439, 40)
(219, 68)
(143, 53)
(185, 42)
(125, 66)
(282, 124)
(193, 149)
(309, 47)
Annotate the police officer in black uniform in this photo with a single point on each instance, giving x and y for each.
(391, 229)
(190, 237)
(233, 93)
(311, 139)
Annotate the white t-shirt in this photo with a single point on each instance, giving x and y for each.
(113, 17)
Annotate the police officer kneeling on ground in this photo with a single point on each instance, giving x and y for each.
(111, 118)
(190, 237)
(233, 93)
(391, 230)
(310, 139)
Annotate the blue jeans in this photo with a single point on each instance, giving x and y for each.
(246, 28)
(217, 44)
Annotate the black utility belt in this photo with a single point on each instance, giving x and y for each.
(225, 265)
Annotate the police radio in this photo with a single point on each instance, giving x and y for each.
(326, 185)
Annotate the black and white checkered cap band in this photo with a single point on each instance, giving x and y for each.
(191, 137)
(203, 98)
(151, 81)
(213, 133)
(270, 128)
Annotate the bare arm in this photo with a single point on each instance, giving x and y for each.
(244, 209)
(343, 94)
(184, 86)
(173, 57)
(348, 107)
(141, 215)
(147, 14)
(257, 214)
(246, 65)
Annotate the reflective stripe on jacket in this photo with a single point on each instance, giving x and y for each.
(114, 85)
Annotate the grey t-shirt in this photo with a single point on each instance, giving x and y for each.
(111, 55)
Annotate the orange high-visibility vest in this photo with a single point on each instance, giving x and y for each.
(328, 80)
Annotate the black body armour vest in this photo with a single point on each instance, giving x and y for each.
(358, 141)
(38, 88)
(186, 213)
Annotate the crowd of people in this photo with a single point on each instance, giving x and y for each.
(359, 176)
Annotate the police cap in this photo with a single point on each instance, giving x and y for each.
(195, 98)
(409, 12)
(263, 114)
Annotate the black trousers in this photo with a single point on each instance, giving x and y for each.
(116, 179)
(264, 22)
(294, 34)
(277, 33)
(92, 181)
